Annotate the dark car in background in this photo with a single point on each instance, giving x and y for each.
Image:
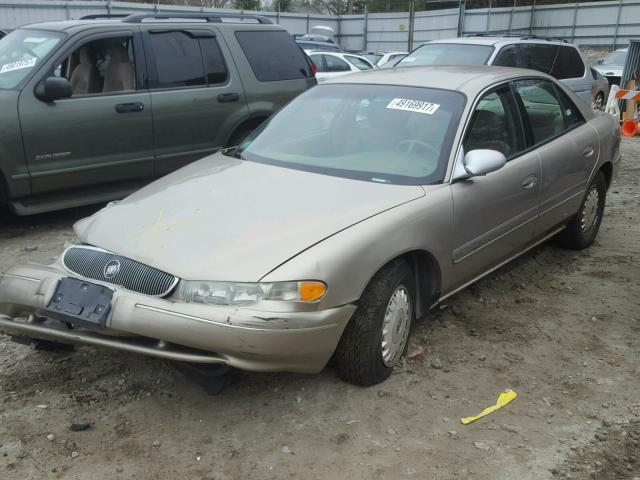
(92, 109)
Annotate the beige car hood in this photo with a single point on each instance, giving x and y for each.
(225, 219)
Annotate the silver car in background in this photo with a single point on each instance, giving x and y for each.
(349, 214)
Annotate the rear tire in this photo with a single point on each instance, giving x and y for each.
(581, 231)
(598, 102)
(378, 333)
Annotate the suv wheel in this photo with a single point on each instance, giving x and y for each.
(598, 102)
(377, 336)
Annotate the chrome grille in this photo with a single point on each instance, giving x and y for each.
(98, 264)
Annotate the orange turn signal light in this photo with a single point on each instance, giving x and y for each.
(312, 291)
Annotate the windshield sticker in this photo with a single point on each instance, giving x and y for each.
(410, 59)
(18, 65)
(416, 106)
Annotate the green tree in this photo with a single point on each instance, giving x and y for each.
(246, 4)
(282, 5)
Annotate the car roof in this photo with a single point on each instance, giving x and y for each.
(464, 78)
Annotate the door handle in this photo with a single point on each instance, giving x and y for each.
(228, 97)
(129, 107)
(587, 152)
(529, 182)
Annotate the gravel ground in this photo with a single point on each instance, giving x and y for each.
(559, 327)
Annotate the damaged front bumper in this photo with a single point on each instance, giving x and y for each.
(242, 338)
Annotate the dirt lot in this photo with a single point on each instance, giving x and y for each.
(561, 328)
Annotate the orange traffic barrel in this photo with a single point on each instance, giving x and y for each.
(629, 128)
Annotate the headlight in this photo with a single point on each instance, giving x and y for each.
(231, 293)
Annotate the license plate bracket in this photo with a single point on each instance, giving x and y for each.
(80, 302)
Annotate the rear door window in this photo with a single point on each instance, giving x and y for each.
(569, 64)
(509, 56)
(539, 57)
(185, 59)
(273, 55)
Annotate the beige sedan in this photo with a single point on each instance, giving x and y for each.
(358, 207)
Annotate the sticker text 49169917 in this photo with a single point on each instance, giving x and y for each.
(416, 106)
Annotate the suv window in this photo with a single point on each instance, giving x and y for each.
(569, 64)
(539, 57)
(335, 64)
(106, 65)
(182, 60)
(274, 55)
(495, 124)
(543, 108)
(509, 56)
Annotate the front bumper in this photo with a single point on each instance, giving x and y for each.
(238, 337)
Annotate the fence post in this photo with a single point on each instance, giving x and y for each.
(533, 16)
(489, 18)
(108, 7)
(573, 28)
(615, 34)
(412, 16)
(461, 14)
(366, 28)
(513, 9)
(307, 31)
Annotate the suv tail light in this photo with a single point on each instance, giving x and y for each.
(314, 69)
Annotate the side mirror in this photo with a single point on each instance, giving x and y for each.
(480, 162)
(53, 88)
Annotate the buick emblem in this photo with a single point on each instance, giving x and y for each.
(111, 269)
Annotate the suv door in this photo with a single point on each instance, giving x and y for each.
(196, 93)
(494, 214)
(103, 133)
(568, 148)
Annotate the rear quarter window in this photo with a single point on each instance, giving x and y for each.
(569, 64)
(273, 55)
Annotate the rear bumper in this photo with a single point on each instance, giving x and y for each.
(239, 337)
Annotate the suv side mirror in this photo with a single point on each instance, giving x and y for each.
(480, 162)
(53, 88)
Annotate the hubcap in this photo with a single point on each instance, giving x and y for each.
(395, 326)
(590, 210)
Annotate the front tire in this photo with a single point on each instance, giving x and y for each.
(581, 231)
(377, 336)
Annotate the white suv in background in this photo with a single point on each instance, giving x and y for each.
(557, 58)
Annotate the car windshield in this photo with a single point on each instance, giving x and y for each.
(378, 133)
(616, 58)
(21, 51)
(448, 54)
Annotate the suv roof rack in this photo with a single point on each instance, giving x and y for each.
(520, 36)
(208, 17)
(104, 16)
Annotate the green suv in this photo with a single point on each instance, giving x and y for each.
(92, 109)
